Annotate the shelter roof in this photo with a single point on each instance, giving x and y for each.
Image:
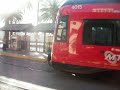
(42, 27)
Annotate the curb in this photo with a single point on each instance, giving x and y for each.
(23, 57)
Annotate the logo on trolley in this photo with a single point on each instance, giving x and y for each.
(111, 57)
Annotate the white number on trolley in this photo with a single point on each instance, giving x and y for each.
(77, 7)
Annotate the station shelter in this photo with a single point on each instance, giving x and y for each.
(28, 37)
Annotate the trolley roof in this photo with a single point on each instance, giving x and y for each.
(69, 2)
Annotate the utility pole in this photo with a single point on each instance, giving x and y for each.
(37, 24)
(37, 12)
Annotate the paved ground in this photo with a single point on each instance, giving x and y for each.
(27, 53)
(34, 56)
(31, 75)
(4, 86)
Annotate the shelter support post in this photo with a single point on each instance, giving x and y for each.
(44, 42)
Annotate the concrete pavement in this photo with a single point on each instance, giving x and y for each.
(34, 56)
(31, 75)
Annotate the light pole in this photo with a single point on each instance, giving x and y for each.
(37, 12)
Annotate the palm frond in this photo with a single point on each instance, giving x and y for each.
(45, 17)
(49, 10)
(16, 16)
(29, 5)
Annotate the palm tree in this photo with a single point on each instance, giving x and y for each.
(49, 9)
(28, 6)
(15, 17)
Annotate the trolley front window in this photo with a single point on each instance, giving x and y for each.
(62, 29)
(101, 32)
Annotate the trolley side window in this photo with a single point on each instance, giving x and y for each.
(62, 29)
(118, 33)
(98, 33)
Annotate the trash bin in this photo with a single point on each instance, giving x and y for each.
(4, 47)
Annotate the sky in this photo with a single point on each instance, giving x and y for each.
(10, 6)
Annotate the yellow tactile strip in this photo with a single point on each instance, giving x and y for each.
(23, 57)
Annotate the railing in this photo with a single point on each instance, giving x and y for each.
(40, 47)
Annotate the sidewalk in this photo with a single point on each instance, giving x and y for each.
(35, 56)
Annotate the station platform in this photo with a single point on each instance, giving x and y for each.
(35, 56)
